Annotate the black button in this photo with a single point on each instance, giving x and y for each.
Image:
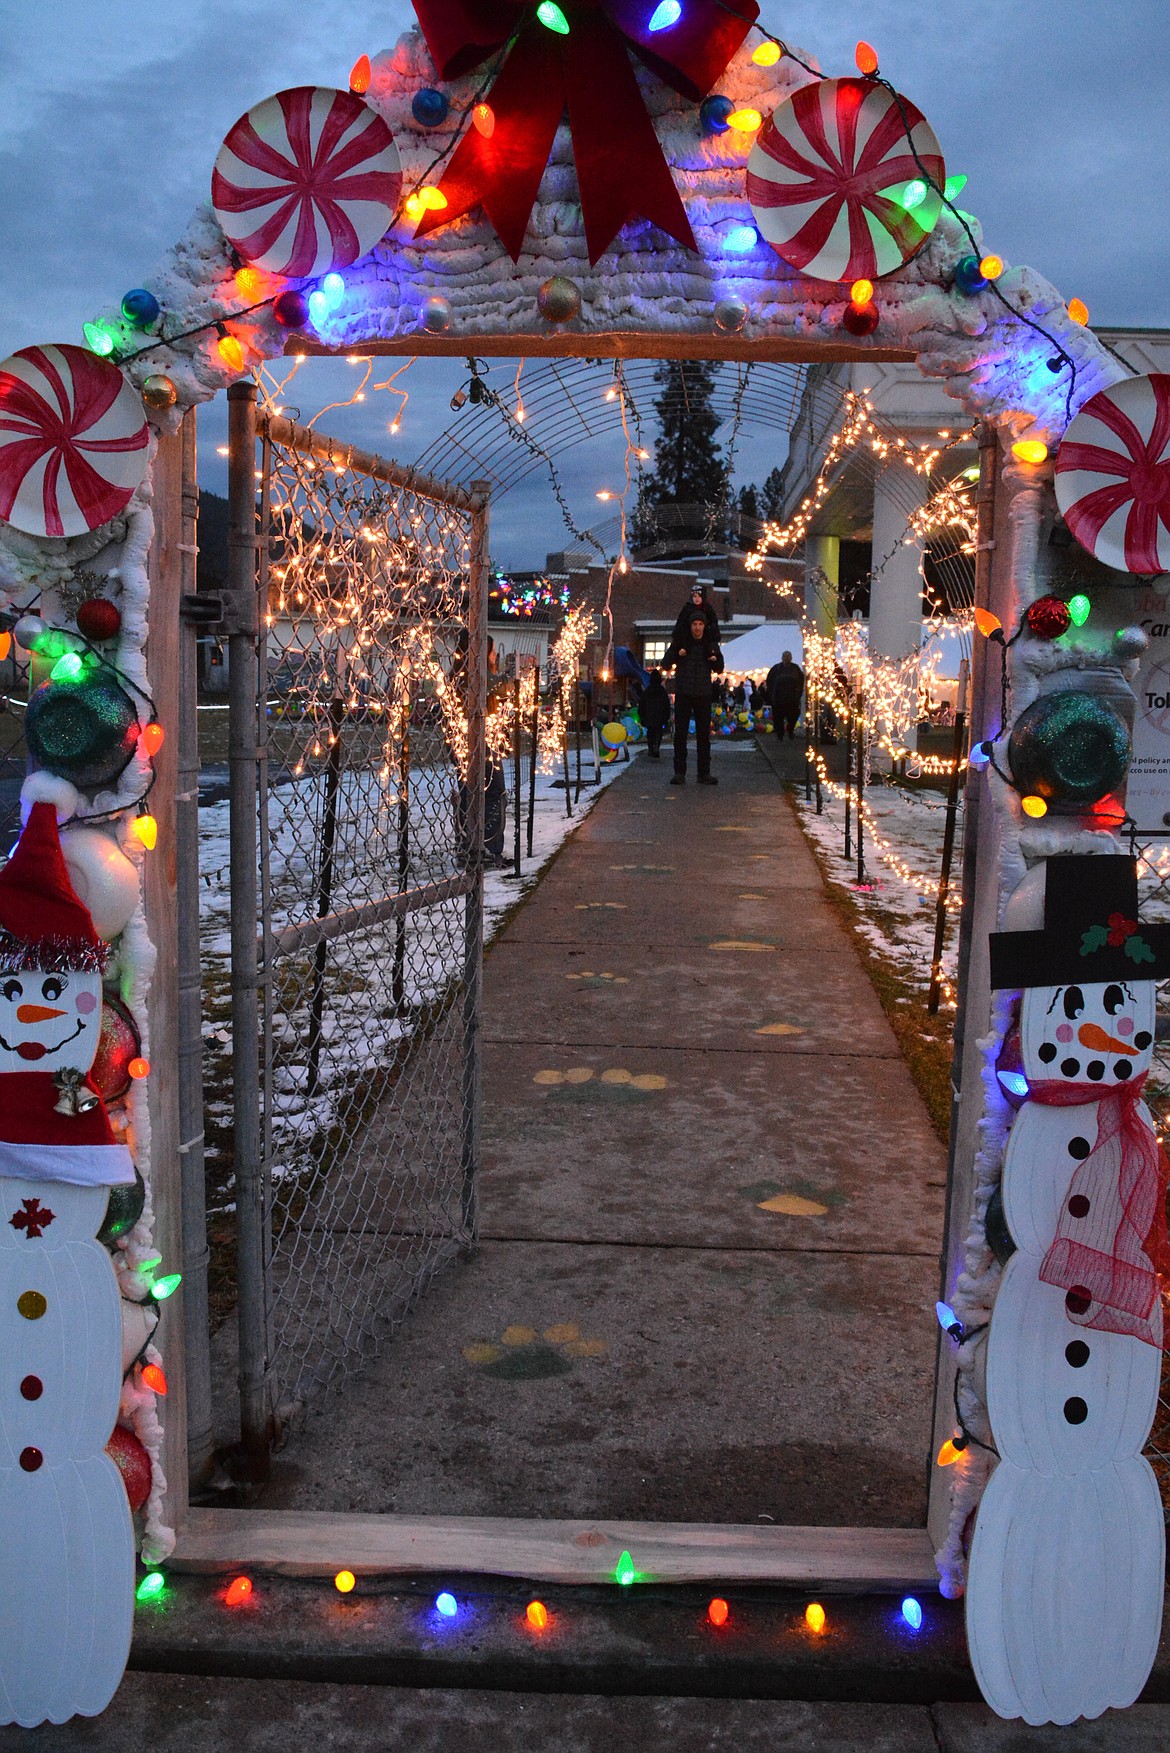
(31, 1459)
(32, 1387)
(1079, 1147)
(1078, 1206)
(1047, 1053)
(1070, 1067)
(1122, 1070)
(1077, 1300)
(1075, 1410)
(1077, 1354)
(1142, 1040)
(1095, 1069)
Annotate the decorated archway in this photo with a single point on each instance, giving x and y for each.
(470, 193)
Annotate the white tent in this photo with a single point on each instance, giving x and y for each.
(757, 651)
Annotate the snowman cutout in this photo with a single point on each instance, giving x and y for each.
(66, 1534)
(1066, 1571)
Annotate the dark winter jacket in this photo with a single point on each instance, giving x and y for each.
(784, 686)
(682, 625)
(654, 706)
(694, 665)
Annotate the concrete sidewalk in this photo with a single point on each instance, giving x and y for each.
(711, 1205)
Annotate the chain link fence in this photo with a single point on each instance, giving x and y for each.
(356, 899)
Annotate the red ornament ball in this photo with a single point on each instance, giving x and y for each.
(132, 1462)
(118, 1045)
(861, 320)
(291, 309)
(99, 619)
(1047, 618)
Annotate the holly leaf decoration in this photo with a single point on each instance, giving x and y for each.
(1138, 950)
(1096, 938)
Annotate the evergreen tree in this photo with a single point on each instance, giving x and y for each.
(690, 470)
(771, 494)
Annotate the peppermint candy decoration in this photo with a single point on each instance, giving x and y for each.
(828, 175)
(73, 441)
(307, 181)
(1113, 475)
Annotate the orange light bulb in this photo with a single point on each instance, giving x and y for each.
(537, 1615)
(991, 267)
(814, 1617)
(145, 830)
(861, 293)
(948, 1454)
(483, 117)
(345, 1582)
(987, 623)
(138, 1068)
(1030, 450)
(767, 54)
(359, 75)
(718, 1611)
(153, 737)
(745, 121)
(866, 57)
(433, 199)
(414, 207)
(238, 1591)
(5, 645)
(248, 282)
(154, 1378)
(1078, 311)
(231, 352)
(1034, 806)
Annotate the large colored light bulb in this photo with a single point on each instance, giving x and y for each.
(1078, 609)
(552, 18)
(666, 13)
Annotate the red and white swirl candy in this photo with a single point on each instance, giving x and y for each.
(1113, 475)
(73, 440)
(828, 173)
(307, 181)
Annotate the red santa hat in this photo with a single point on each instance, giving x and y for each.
(43, 922)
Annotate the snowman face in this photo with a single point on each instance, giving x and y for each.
(1098, 1033)
(49, 1022)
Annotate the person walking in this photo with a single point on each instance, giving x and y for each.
(784, 688)
(695, 662)
(654, 711)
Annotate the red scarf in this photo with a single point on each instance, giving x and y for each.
(1116, 1253)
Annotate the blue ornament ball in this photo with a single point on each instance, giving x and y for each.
(141, 308)
(429, 107)
(713, 113)
(967, 276)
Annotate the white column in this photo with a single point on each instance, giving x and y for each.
(895, 603)
(822, 575)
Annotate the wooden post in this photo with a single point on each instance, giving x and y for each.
(848, 769)
(165, 566)
(577, 731)
(564, 746)
(517, 770)
(532, 759)
(860, 742)
(944, 881)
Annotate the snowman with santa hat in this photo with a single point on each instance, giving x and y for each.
(66, 1534)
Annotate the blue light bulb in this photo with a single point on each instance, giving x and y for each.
(333, 286)
(446, 1605)
(740, 239)
(318, 308)
(912, 1613)
(948, 1320)
(1014, 1082)
(664, 15)
(980, 755)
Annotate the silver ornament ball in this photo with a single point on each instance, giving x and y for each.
(559, 300)
(730, 315)
(436, 315)
(1130, 642)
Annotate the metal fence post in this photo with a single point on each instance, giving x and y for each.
(196, 1253)
(472, 1093)
(944, 881)
(243, 758)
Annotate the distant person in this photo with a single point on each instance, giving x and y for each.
(695, 660)
(654, 711)
(784, 688)
(697, 605)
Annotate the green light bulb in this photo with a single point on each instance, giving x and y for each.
(914, 194)
(1078, 609)
(151, 1586)
(552, 18)
(98, 339)
(67, 668)
(165, 1287)
(625, 1572)
(955, 186)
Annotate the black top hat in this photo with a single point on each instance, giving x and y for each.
(1091, 929)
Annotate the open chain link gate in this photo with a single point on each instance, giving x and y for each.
(357, 651)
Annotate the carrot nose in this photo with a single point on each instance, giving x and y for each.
(1089, 1035)
(35, 1013)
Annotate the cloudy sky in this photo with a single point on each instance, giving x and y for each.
(1058, 113)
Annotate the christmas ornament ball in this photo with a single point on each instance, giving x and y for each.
(1130, 642)
(123, 1211)
(103, 877)
(429, 107)
(436, 315)
(98, 618)
(158, 392)
(559, 300)
(861, 320)
(1047, 617)
(968, 276)
(291, 309)
(713, 113)
(141, 308)
(132, 1462)
(1070, 748)
(118, 1043)
(84, 731)
(730, 315)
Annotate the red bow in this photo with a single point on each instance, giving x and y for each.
(620, 168)
(1111, 1247)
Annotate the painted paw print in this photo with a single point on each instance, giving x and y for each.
(587, 978)
(521, 1354)
(582, 1083)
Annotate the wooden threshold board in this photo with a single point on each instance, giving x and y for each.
(318, 1544)
(602, 344)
